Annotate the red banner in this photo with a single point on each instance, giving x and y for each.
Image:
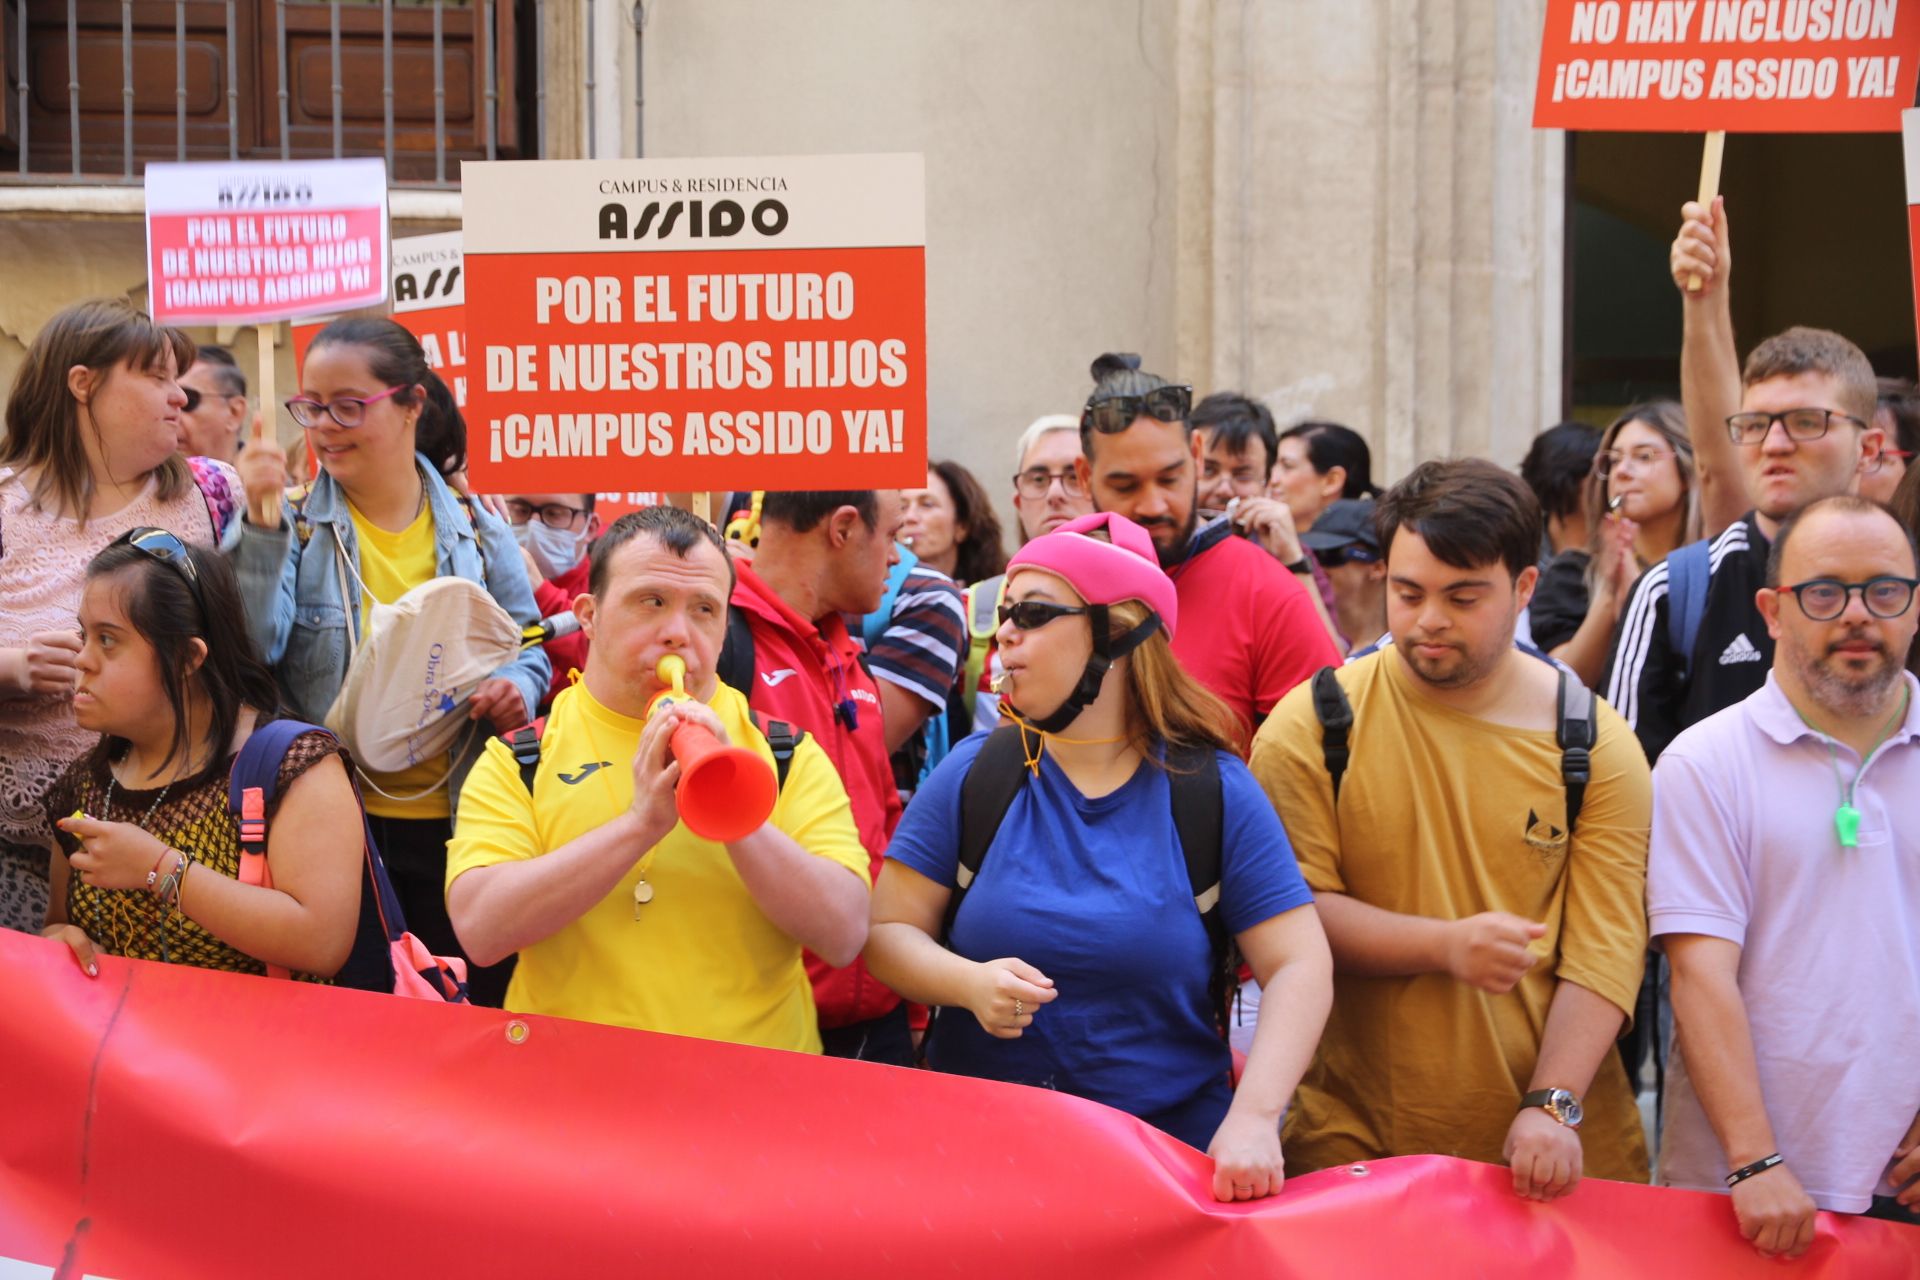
(164, 1121)
(1751, 66)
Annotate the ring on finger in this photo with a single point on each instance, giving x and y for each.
(1019, 1009)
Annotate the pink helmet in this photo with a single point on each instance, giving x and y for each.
(1104, 573)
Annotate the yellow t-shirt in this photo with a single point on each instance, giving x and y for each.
(702, 959)
(391, 564)
(1445, 815)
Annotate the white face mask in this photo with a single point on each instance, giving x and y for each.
(554, 551)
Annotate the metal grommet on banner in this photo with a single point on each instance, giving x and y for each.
(517, 1032)
(1358, 1170)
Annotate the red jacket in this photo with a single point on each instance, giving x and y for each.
(567, 653)
(808, 674)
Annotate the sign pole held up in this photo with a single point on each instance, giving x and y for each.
(1710, 156)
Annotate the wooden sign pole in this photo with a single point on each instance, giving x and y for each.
(1710, 156)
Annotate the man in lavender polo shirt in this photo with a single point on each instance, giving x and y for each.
(1784, 883)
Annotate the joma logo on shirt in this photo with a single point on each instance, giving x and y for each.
(585, 771)
(1543, 837)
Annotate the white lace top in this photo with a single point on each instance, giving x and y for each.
(43, 564)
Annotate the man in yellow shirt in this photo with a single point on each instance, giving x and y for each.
(1486, 958)
(618, 912)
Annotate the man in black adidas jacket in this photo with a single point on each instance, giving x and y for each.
(1803, 430)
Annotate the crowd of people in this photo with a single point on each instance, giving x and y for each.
(1307, 821)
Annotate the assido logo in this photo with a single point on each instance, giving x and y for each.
(703, 220)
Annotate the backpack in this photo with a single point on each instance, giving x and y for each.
(1193, 774)
(410, 673)
(983, 623)
(1576, 732)
(385, 957)
(1689, 575)
(934, 739)
(782, 737)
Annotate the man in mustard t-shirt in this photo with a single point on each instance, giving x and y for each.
(1485, 959)
(618, 912)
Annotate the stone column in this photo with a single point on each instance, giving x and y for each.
(1381, 238)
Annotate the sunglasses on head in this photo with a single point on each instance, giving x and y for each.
(1116, 413)
(169, 550)
(1029, 615)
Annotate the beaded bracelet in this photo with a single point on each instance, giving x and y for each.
(1744, 1172)
(153, 875)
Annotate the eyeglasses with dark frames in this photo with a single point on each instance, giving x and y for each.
(1801, 424)
(1031, 615)
(1034, 482)
(1111, 414)
(169, 550)
(348, 411)
(1824, 599)
(554, 515)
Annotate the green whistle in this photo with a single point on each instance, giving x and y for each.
(1846, 821)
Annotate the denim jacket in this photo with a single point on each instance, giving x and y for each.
(297, 616)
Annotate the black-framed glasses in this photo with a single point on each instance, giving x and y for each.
(1111, 414)
(1641, 456)
(169, 550)
(1030, 615)
(1801, 424)
(554, 515)
(348, 411)
(1034, 482)
(193, 399)
(1824, 599)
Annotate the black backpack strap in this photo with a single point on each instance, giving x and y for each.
(1198, 813)
(1335, 714)
(735, 664)
(1577, 733)
(986, 793)
(524, 742)
(784, 739)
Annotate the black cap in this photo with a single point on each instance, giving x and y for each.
(1346, 525)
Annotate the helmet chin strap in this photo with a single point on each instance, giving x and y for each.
(1106, 651)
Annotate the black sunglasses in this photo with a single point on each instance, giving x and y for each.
(1116, 413)
(193, 398)
(169, 550)
(1029, 615)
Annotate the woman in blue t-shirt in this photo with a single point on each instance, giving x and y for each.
(1079, 948)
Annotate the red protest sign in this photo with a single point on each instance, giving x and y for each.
(696, 324)
(251, 241)
(1775, 66)
(1910, 141)
(429, 301)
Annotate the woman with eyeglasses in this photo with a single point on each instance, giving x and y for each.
(1640, 506)
(377, 522)
(1079, 954)
(91, 449)
(173, 686)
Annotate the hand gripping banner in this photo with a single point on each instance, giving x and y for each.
(168, 1122)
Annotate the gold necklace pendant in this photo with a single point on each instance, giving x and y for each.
(642, 895)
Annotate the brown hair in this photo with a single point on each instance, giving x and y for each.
(1669, 421)
(980, 555)
(1804, 350)
(1164, 703)
(1469, 511)
(43, 418)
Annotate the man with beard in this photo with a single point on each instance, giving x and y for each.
(1487, 944)
(1258, 634)
(1781, 884)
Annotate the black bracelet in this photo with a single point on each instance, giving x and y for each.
(1744, 1172)
(1302, 565)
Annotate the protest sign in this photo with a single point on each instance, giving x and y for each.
(1910, 140)
(1748, 66)
(696, 324)
(246, 242)
(429, 301)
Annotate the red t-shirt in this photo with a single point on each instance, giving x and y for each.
(566, 653)
(1248, 630)
(808, 673)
